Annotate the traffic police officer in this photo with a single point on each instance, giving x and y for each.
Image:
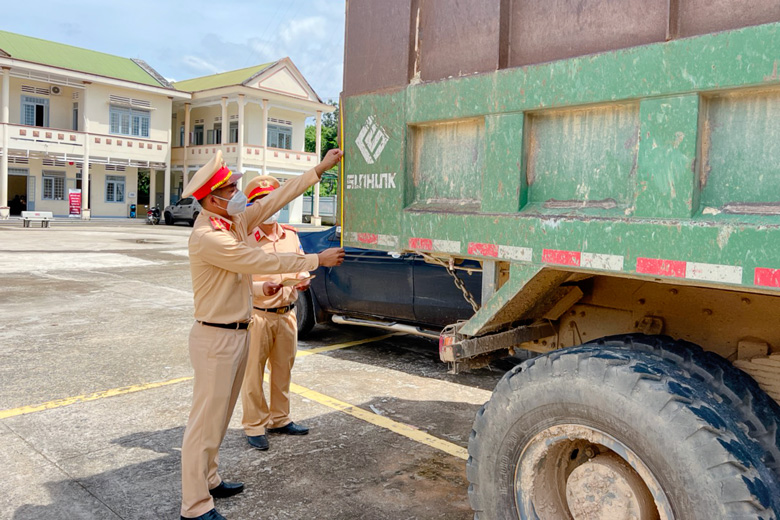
(221, 264)
(274, 336)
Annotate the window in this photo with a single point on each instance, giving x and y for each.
(197, 135)
(75, 117)
(129, 121)
(115, 188)
(35, 111)
(280, 137)
(181, 135)
(234, 131)
(53, 186)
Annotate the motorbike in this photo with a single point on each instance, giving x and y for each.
(153, 216)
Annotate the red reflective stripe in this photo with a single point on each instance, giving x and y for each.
(216, 180)
(556, 256)
(476, 248)
(368, 238)
(661, 267)
(767, 277)
(421, 243)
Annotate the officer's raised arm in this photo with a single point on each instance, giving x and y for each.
(291, 189)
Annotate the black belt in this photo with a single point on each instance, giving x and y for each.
(239, 325)
(278, 310)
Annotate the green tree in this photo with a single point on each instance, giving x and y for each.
(330, 132)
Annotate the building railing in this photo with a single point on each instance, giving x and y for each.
(252, 156)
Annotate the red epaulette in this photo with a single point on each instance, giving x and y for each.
(286, 226)
(220, 224)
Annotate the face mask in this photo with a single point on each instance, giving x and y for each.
(273, 218)
(236, 204)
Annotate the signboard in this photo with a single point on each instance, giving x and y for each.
(74, 203)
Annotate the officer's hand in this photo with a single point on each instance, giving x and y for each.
(271, 288)
(330, 160)
(303, 285)
(331, 257)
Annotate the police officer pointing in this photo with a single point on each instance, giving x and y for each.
(222, 264)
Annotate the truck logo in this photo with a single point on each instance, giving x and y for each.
(371, 140)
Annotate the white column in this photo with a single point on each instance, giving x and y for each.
(240, 164)
(187, 143)
(152, 187)
(4, 209)
(225, 126)
(167, 178)
(86, 211)
(315, 206)
(265, 136)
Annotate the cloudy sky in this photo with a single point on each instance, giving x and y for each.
(184, 40)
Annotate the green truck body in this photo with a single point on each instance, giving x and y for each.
(605, 183)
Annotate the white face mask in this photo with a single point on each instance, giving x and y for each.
(273, 218)
(236, 204)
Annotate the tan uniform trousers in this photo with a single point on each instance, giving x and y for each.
(274, 341)
(218, 358)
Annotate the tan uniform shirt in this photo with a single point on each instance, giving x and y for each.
(222, 263)
(281, 240)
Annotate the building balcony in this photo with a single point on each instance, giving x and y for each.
(56, 143)
(252, 156)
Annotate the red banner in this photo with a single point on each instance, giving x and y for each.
(74, 200)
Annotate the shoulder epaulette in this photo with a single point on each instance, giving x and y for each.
(286, 226)
(220, 224)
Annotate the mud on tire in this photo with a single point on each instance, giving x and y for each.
(703, 462)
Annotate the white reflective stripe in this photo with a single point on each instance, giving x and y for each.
(599, 261)
(523, 254)
(446, 246)
(387, 240)
(713, 272)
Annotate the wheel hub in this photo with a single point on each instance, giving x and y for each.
(607, 488)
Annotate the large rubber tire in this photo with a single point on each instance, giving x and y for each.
(168, 219)
(304, 309)
(692, 441)
(756, 410)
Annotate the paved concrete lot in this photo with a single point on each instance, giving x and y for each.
(95, 390)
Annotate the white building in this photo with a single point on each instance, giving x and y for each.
(73, 118)
(256, 116)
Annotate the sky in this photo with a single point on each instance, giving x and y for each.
(183, 40)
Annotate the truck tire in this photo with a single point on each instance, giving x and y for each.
(304, 309)
(597, 431)
(756, 410)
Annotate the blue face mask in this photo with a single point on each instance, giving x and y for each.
(236, 204)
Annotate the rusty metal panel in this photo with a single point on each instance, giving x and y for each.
(555, 29)
(376, 50)
(706, 16)
(459, 37)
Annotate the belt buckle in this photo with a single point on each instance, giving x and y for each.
(281, 310)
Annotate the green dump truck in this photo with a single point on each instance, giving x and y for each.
(615, 167)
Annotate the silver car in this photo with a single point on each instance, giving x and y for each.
(186, 209)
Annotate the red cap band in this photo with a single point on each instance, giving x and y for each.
(259, 191)
(216, 181)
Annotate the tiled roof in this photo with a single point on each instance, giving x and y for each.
(224, 79)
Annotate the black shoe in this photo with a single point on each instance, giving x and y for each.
(210, 515)
(227, 489)
(290, 429)
(259, 442)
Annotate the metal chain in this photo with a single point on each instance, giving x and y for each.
(460, 285)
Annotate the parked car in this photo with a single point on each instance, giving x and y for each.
(384, 289)
(186, 209)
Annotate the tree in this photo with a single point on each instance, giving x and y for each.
(330, 132)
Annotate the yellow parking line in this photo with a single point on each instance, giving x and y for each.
(67, 401)
(398, 427)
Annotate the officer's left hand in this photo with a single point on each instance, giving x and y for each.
(271, 288)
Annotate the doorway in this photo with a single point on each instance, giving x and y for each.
(17, 191)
